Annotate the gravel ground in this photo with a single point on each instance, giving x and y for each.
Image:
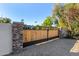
(60, 47)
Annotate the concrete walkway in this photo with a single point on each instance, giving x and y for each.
(59, 47)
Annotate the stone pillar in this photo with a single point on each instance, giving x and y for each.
(17, 37)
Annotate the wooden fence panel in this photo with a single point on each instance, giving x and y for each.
(33, 35)
(53, 33)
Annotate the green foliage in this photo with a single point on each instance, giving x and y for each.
(75, 28)
(37, 27)
(47, 22)
(73, 15)
(5, 20)
(22, 20)
(68, 15)
(58, 15)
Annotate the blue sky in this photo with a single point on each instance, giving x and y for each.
(29, 12)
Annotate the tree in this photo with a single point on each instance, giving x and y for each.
(5, 20)
(22, 20)
(72, 17)
(37, 27)
(47, 22)
(58, 15)
(68, 15)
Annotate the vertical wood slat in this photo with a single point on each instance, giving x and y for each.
(33, 35)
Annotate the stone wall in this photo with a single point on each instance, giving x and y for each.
(17, 37)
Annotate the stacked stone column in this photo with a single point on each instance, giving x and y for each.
(17, 37)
